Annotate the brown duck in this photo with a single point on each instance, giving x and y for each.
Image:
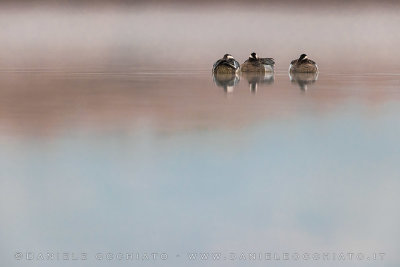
(303, 64)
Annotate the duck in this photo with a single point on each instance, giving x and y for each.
(303, 64)
(226, 65)
(257, 64)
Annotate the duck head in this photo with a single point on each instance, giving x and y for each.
(302, 57)
(228, 56)
(253, 55)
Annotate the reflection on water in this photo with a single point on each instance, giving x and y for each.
(226, 81)
(303, 79)
(254, 79)
(163, 162)
(230, 81)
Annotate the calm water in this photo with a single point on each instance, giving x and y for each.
(178, 162)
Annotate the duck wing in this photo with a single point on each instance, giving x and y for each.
(293, 62)
(216, 64)
(235, 64)
(230, 63)
(310, 61)
(267, 61)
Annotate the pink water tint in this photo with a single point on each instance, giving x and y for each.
(55, 103)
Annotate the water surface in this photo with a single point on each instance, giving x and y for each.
(177, 162)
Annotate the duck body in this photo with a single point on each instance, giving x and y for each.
(303, 65)
(226, 65)
(256, 64)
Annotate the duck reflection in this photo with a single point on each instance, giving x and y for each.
(255, 79)
(226, 81)
(303, 79)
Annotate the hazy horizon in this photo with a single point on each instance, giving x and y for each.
(340, 37)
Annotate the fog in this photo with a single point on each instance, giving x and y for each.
(340, 37)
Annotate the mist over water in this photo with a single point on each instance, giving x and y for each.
(340, 37)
